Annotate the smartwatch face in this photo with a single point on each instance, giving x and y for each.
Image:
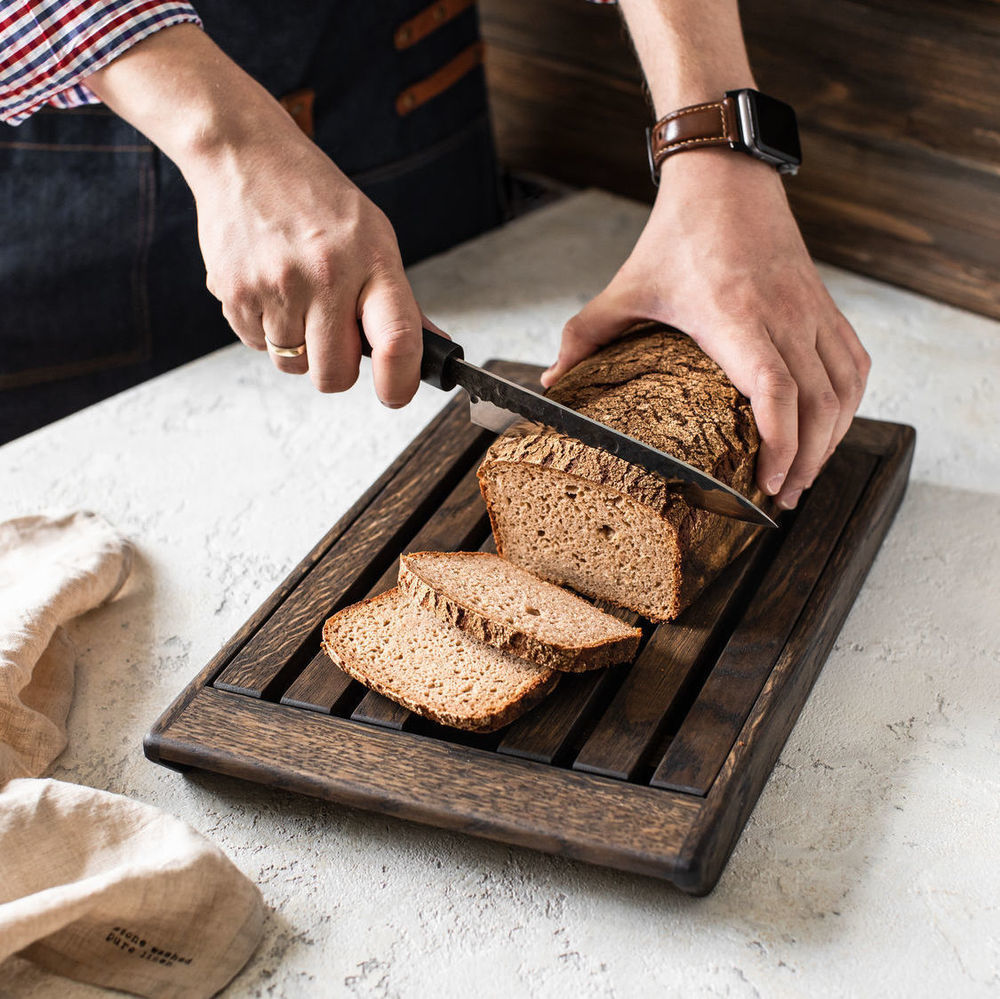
(775, 129)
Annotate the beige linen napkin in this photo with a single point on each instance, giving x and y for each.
(51, 570)
(93, 885)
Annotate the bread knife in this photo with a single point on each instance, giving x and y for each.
(496, 401)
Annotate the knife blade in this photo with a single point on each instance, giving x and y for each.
(443, 365)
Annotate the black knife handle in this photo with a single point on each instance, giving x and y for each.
(434, 366)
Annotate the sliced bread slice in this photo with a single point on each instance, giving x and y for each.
(407, 654)
(509, 608)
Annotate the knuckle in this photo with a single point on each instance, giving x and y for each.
(284, 279)
(785, 309)
(383, 260)
(322, 269)
(576, 334)
(236, 292)
(399, 340)
(807, 475)
(825, 404)
(781, 448)
(784, 450)
(773, 382)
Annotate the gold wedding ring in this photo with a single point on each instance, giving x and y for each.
(285, 351)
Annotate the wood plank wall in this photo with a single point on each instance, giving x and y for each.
(898, 102)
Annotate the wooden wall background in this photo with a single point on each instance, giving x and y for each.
(898, 103)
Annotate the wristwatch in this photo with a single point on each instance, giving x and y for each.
(745, 120)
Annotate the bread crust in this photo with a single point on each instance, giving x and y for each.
(488, 721)
(507, 637)
(657, 386)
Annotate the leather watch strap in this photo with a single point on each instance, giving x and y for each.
(711, 124)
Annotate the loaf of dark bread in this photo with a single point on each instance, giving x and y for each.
(610, 530)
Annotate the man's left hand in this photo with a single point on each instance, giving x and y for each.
(722, 259)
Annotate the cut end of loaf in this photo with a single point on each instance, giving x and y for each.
(584, 535)
(509, 608)
(589, 520)
(407, 654)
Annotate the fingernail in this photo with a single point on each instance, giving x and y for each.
(788, 502)
(774, 483)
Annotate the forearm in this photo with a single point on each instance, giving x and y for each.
(690, 50)
(191, 100)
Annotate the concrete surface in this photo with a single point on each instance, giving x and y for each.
(870, 866)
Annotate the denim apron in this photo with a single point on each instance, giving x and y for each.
(102, 284)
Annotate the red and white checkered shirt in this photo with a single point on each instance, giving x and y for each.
(47, 47)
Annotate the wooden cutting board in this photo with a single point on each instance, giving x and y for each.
(653, 766)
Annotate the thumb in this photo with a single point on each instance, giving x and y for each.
(391, 320)
(603, 319)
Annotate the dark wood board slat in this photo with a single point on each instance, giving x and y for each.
(414, 777)
(545, 732)
(644, 702)
(703, 741)
(321, 686)
(727, 806)
(374, 709)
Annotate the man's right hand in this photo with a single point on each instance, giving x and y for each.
(293, 250)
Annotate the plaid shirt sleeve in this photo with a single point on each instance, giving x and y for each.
(47, 47)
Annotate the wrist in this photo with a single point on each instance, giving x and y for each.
(219, 139)
(179, 89)
(717, 164)
(718, 183)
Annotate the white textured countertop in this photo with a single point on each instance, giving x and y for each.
(871, 865)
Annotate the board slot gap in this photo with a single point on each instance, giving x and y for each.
(459, 737)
